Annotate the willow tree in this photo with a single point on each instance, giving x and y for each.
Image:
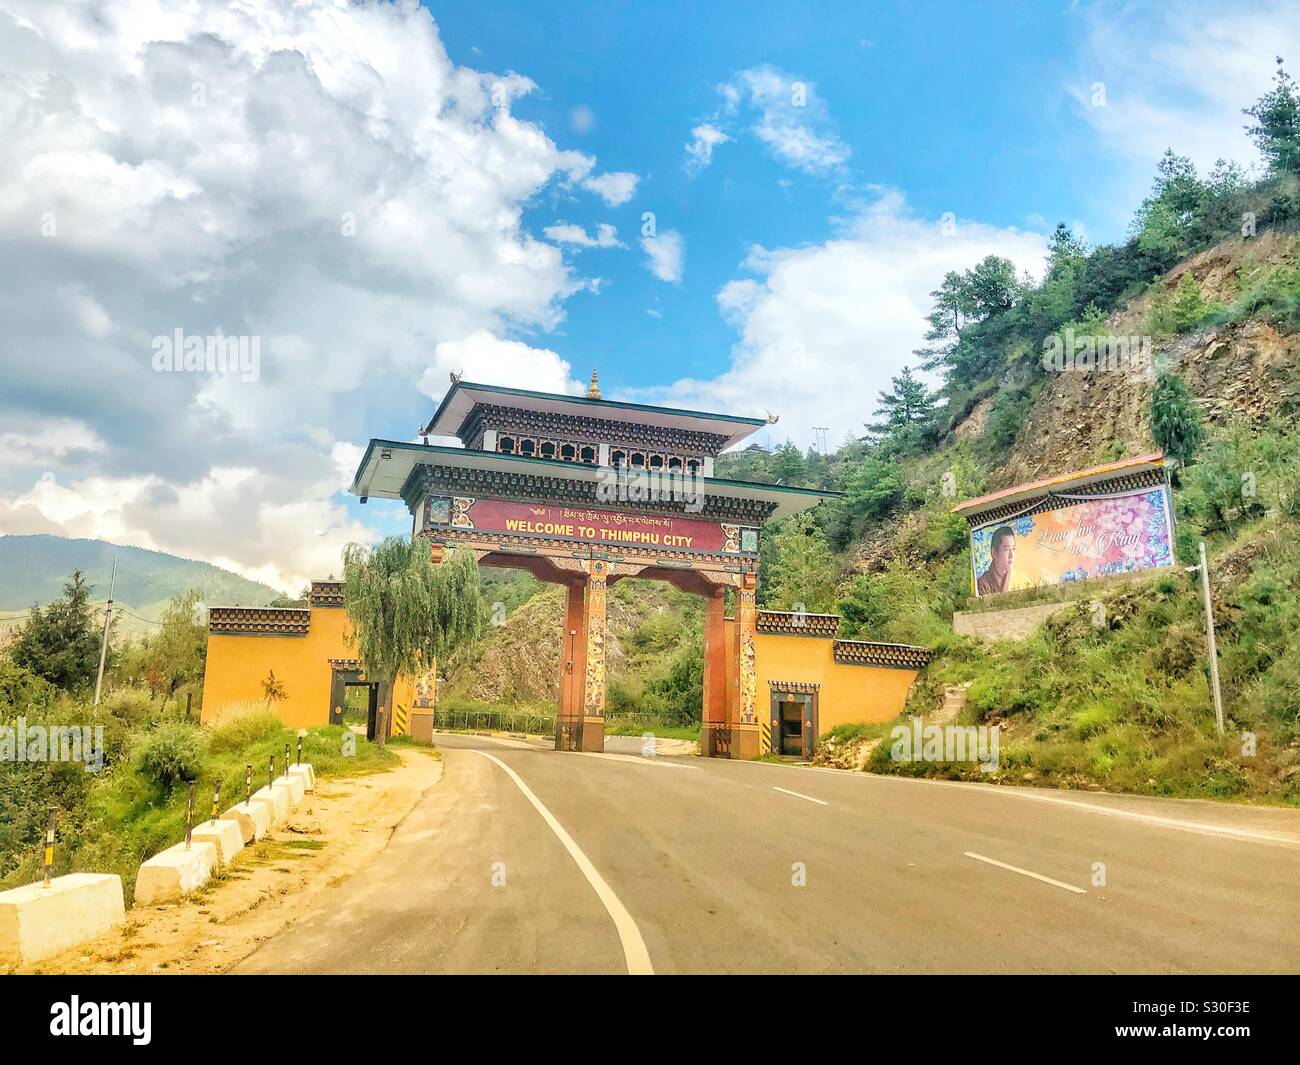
(406, 612)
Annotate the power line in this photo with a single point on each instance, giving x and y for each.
(148, 621)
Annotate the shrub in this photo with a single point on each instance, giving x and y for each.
(21, 689)
(243, 725)
(132, 706)
(170, 754)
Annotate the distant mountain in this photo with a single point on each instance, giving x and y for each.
(33, 569)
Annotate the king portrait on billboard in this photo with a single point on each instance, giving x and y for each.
(1074, 539)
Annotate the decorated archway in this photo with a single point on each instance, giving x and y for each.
(585, 492)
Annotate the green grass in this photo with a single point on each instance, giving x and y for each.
(119, 817)
(860, 730)
(637, 727)
(1122, 701)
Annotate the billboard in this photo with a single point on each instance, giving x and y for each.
(588, 524)
(1083, 537)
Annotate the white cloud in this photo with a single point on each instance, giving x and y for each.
(148, 512)
(38, 442)
(488, 360)
(565, 233)
(788, 116)
(321, 176)
(1197, 67)
(664, 253)
(699, 152)
(615, 187)
(824, 327)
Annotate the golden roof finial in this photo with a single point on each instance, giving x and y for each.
(594, 391)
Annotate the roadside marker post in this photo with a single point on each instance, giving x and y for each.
(270, 771)
(286, 761)
(299, 762)
(189, 815)
(50, 823)
(1211, 642)
(248, 786)
(216, 800)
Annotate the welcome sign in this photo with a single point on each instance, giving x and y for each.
(1080, 539)
(585, 523)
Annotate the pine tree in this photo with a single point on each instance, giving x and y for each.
(907, 411)
(1175, 419)
(1276, 131)
(61, 642)
(788, 467)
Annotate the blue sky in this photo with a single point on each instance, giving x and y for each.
(966, 108)
(380, 193)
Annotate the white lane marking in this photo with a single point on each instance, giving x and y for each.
(797, 795)
(634, 948)
(1025, 872)
(1001, 791)
(634, 759)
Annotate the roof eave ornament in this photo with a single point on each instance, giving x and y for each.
(593, 392)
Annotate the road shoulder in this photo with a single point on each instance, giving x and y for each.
(336, 831)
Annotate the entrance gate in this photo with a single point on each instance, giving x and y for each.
(584, 492)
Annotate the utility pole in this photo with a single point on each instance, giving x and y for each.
(103, 645)
(1209, 639)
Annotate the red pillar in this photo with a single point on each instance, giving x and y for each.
(715, 673)
(572, 667)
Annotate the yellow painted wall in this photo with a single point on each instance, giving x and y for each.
(237, 666)
(848, 694)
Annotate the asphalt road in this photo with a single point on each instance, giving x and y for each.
(620, 863)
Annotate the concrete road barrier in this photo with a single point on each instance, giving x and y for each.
(226, 836)
(277, 799)
(294, 786)
(175, 872)
(307, 773)
(36, 921)
(253, 818)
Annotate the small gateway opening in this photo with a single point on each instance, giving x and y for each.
(792, 728)
(361, 706)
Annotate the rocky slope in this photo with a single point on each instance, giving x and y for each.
(518, 663)
(1080, 419)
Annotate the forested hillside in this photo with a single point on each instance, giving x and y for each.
(34, 568)
(1207, 285)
